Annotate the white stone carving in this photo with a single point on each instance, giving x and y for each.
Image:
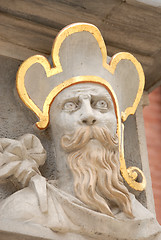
(21, 158)
(88, 198)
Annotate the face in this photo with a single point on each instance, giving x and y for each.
(83, 104)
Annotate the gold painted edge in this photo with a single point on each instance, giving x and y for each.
(74, 28)
(127, 56)
(130, 174)
(73, 81)
(43, 116)
(79, 27)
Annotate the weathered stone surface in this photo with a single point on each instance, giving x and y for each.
(86, 197)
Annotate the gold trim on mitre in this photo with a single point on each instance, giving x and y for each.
(129, 174)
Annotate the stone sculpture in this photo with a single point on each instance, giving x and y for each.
(87, 109)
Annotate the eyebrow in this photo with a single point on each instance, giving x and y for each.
(94, 97)
(107, 96)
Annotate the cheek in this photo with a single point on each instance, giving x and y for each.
(109, 120)
(66, 122)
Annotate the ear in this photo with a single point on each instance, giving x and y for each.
(129, 78)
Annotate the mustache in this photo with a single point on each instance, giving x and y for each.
(73, 142)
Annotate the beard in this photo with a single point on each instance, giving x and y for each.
(93, 157)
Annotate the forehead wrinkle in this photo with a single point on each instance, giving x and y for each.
(83, 89)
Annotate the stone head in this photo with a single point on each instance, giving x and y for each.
(80, 105)
(79, 55)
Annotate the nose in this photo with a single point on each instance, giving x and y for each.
(90, 120)
(87, 114)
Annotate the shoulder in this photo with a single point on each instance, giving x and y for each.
(21, 205)
(139, 211)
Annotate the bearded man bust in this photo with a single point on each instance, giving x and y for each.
(89, 196)
(88, 200)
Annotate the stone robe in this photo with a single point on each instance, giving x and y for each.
(66, 214)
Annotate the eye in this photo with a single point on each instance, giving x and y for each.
(101, 104)
(70, 106)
